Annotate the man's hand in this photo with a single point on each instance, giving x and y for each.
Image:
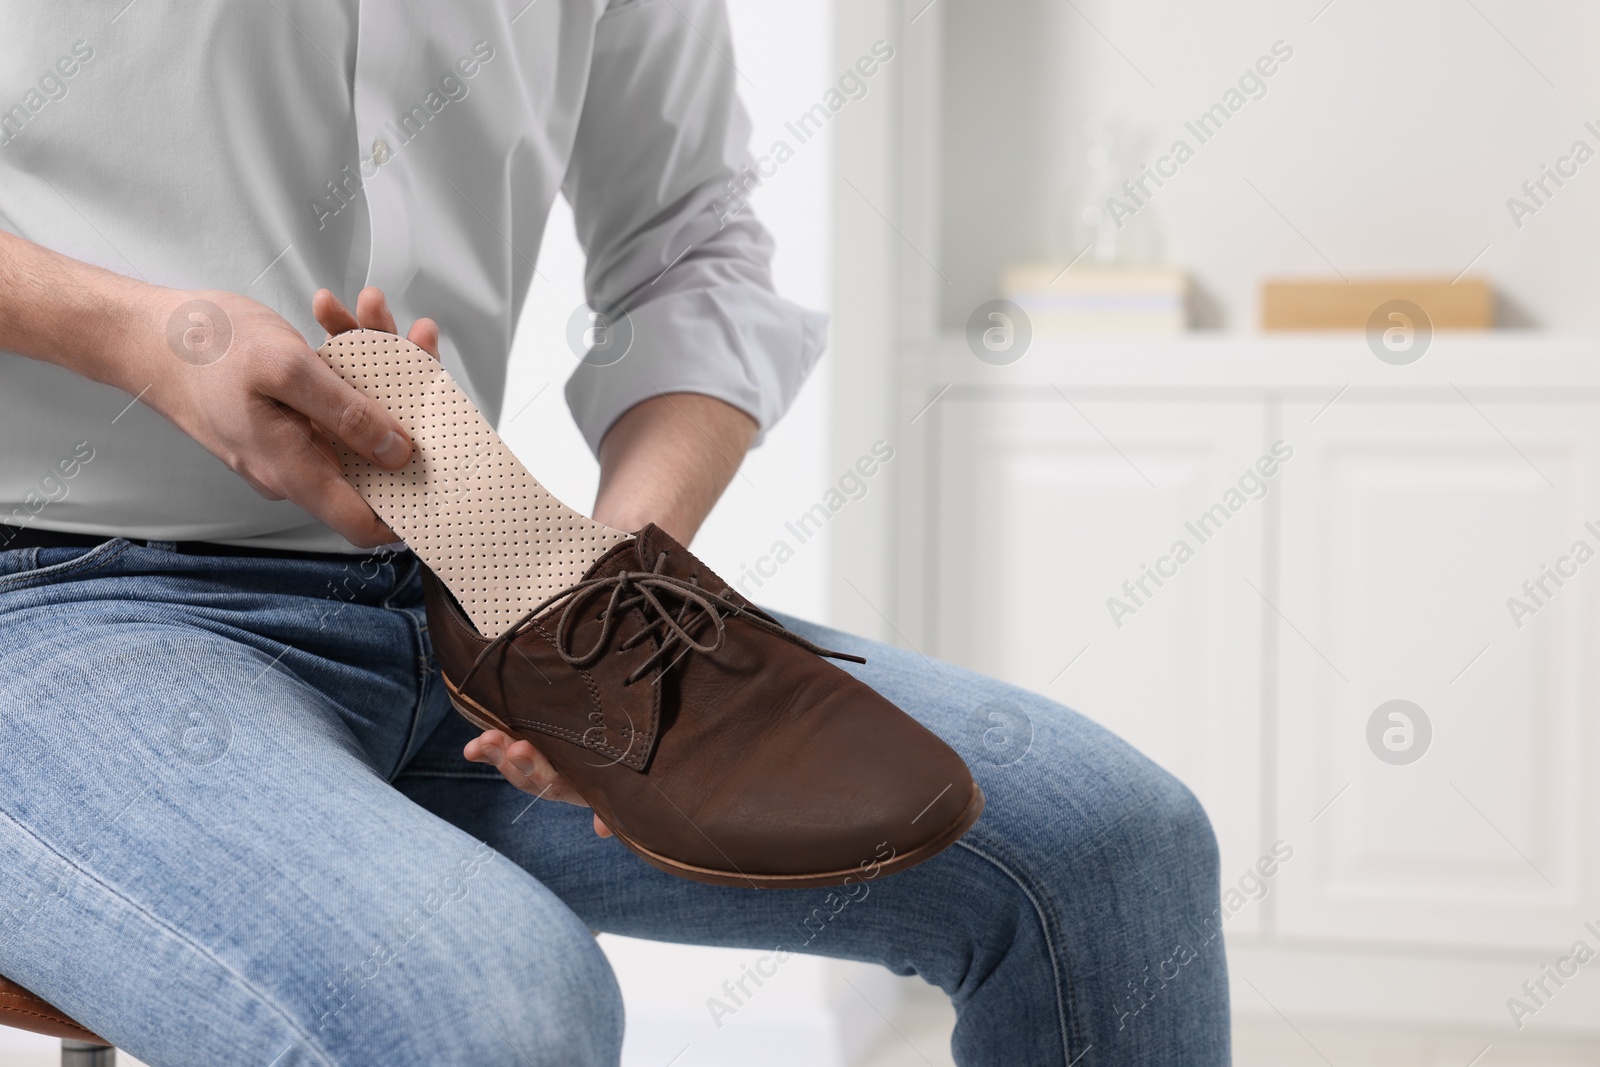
(268, 407)
(225, 369)
(526, 768)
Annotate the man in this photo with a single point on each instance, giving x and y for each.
(238, 820)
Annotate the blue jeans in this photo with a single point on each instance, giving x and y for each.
(236, 827)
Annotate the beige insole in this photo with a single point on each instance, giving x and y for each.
(464, 503)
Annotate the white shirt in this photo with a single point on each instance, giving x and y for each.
(271, 148)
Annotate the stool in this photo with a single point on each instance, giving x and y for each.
(79, 1047)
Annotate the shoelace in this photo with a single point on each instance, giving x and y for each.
(630, 589)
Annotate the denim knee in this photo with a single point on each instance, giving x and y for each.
(1188, 828)
(1146, 826)
(516, 980)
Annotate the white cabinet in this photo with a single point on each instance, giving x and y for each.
(1405, 508)
(1060, 521)
(1408, 525)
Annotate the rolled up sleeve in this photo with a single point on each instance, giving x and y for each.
(661, 148)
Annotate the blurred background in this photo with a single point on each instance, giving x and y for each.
(1357, 238)
(1094, 268)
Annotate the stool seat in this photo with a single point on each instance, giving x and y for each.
(23, 1010)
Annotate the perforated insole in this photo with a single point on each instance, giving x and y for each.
(496, 537)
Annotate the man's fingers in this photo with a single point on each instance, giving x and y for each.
(313, 479)
(332, 314)
(323, 492)
(374, 315)
(523, 765)
(363, 425)
(526, 768)
(540, 773)
(425, 335)
(519, 772)
(372, 308)
(488, 747)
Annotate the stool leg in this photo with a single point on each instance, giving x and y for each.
(83, 1054)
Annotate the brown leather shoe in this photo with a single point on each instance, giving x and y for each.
(714, 742)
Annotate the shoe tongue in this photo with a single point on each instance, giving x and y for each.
(640, 552)
(649, 543)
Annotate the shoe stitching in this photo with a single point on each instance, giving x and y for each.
(648, 736)
(576, 738)
(545, 727)
(624, 755)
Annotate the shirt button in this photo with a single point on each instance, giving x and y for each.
(380, 151)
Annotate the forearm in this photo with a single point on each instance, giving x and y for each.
(55, 309)
(667, 461)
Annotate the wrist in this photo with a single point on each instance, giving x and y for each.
(59, 310)
(122, 334)
(633, 515)
(666, 460)
(110, 330)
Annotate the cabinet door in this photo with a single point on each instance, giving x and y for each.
(1408, 527)
(1044, 508)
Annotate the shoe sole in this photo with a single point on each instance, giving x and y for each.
(483, 719)
(465, 504)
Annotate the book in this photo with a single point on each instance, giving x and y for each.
(1096, 298)
(1333, 304)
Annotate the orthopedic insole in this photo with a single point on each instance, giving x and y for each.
(464, 504)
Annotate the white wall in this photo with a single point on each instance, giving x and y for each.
(783, 53)
(1390, 141)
